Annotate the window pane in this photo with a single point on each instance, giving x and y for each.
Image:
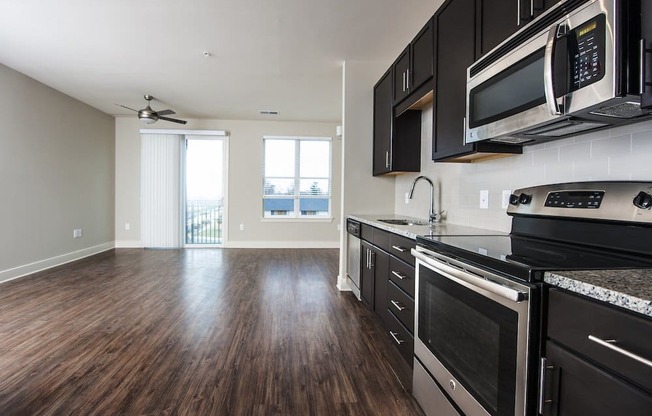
(278, 207)
(313, 206)
(279, 186)
(314, 187)
(315, 159)
(279, 158)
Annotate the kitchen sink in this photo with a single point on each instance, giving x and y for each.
(403, 222)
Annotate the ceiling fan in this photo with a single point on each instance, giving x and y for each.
(150, 116)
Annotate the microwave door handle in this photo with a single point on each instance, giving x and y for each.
(548, 71)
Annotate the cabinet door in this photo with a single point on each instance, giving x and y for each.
(421, 57)
(575, 387)
(455, 47)
(499, 19)
(401, 75)
(381, 284)
(383, 114)
(367, 275)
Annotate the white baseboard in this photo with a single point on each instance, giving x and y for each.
(282, 244)
(20, 271)
(129, 244)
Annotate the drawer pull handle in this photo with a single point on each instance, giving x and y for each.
(397, 305)
(399, 275)
(395, 336)
(610, 345)
(399, 248)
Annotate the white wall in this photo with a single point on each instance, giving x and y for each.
(56, 175)
(622, 153)
(244, 188)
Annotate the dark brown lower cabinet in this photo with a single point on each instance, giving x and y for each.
(576, 387)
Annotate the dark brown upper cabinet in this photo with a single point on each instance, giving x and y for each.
(455, 51)
(414, 66)
(499, 19)
(396, 139)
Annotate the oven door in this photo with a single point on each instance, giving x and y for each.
(471, 333)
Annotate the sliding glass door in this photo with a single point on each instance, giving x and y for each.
(205, 191)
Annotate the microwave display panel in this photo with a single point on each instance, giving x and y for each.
(587, 53)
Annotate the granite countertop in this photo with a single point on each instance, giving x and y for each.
(412, 231)
(629, 289)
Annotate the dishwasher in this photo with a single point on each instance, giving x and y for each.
(353, 255)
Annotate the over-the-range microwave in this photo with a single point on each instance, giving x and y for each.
(578, 67)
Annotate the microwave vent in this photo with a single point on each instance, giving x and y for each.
(628, 109)
(511, 140)
(565, 128)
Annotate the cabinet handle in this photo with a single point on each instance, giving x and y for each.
(543, 369)
(403, 81)
(531, 8)
(397, 305)
(368, 255)
(387, 159)
(399, 275)
(400, 248)
(407, 80)
(463, 131)
(395, 336)
(518, 12)
(609, 343)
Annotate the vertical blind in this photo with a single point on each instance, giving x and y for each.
(160, 190)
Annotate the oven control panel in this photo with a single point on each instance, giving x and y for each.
(622, 201)
(575, 199)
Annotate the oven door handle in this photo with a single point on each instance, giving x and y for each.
(473, 280)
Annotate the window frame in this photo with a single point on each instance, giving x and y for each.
(296, 215)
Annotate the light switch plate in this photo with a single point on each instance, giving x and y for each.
(484, 199)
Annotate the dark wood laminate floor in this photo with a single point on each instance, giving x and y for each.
(193, 332)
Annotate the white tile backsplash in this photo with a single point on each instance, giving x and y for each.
(623, 153)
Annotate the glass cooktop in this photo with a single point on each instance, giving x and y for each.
(527, 258)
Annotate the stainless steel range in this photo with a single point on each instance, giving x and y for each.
(478, 297)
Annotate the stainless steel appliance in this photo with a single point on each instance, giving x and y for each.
(353, 255)
(578, 67)
(478, 297)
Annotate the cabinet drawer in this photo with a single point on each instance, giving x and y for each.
(401, 338)
(401, 305)
(381, 238)
(572, 319)
(367, 232)
(402, 274)
(400, 247)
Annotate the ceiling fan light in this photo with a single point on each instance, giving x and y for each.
(147, 119)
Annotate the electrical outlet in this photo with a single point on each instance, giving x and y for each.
(241, 227)
(77, 233)
(506, 194)
(484, 199)
(127, 226)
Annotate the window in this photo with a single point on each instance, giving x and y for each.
(297, 181)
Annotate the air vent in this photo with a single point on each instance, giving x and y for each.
(268, 112)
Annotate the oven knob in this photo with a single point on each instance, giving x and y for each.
(513, 199)
(524, 198)
(643, 200)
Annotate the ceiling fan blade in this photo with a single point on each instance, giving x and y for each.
(165, 112)
(174, 120)
(128, 108)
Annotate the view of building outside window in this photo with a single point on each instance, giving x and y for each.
(297, 178)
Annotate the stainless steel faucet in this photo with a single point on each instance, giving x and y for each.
(432, 217)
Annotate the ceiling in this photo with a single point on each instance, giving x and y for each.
(283, 55)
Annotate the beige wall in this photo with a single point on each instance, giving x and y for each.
(621, 153)
(56, 175)
(244, 188)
